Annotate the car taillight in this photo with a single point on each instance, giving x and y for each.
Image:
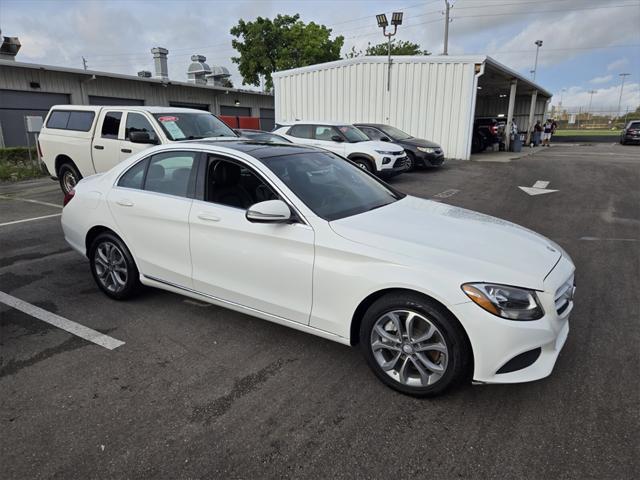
(494, 129)
(67, 197)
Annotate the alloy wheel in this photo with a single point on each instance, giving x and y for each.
(111, 267)
(409, 348)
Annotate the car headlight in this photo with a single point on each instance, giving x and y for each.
(512, 303)
(427, 149)
(386, 152)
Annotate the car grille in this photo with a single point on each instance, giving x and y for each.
(400, 162)
(564, 296)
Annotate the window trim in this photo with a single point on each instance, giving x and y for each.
(70, 112)
(107, 112)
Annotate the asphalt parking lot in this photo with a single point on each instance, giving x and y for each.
(198, 391)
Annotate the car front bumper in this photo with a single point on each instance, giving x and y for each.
(507, 351)
(429, 159)
(394, 168)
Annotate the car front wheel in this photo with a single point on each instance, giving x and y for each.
(414, 345)
(113, 267)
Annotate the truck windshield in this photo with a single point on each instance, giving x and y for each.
(191, 126)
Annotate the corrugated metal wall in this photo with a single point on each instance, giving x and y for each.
(427, 99)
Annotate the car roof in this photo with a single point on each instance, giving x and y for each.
(144, 108)
(255, 148)
(375, 125)
(313, 122)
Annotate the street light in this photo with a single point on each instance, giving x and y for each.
(623, 75)
(396, 20)
(538, 44)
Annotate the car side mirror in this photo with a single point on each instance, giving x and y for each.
(270, 211)
(141, 137)
(337, 138)
(385, 139)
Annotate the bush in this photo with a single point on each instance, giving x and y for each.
(15, 164)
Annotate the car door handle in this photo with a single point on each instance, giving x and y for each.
(98, 147)
(208, 217)
(125, 203)
(125, 150)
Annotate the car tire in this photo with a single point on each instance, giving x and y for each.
(364, 164)
(410, 162)
(431, 356)
(69, 176)
(113, 267)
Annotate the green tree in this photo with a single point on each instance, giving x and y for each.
(266, 46)
(397, 48)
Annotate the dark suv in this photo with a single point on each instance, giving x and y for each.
(631, 133)
(420, 153)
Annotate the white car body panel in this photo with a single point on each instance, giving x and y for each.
(313, 276)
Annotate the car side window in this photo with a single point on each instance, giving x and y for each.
(323, 132)
(372, 133)
(301, 131)
(134, 177)
(111, 125)
(234, 185)
(171, 173)
(137, 122)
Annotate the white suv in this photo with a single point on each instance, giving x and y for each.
(381, 158)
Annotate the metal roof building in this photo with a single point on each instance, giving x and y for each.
(28, 89)
(431, 97)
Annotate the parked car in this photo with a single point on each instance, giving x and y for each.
(382, 158)
(261, 136)
(420, 153)
(630, 133)
(487, 131)
(77, 141)
(298, 236)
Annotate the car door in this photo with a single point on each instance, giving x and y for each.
(136, 122)
(107, 139)
(324, 137)
(262, 266)
(150, 205)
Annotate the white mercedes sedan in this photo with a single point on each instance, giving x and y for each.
(434, 295)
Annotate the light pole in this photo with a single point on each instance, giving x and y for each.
(538, 44)
(448, 5)
(623, 75)
(396, 20)
(591, 93)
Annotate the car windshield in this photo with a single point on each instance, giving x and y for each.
(352, 134)
(394, 133)
(191, 126)
(329, 185)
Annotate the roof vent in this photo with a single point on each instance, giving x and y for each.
(198, 70)
(160, 62)
(144, 74)
(218, 76)
(9, 48)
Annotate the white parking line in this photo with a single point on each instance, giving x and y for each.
(39, 202)
(30, 219)
(60, 322)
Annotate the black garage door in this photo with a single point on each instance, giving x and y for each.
(123, 102)
(267, 119)
(235, 111)
(15, 105)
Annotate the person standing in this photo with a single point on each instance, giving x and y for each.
(537, 133)
(546, 133)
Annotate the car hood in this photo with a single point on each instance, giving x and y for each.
(384, 146)
(418, 142)
(441, 237)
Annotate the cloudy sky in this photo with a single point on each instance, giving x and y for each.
(587, 43)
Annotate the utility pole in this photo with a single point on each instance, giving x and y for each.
(538, 44)
(591, 93)
(447, 20)
(623, 75)
(84, 63)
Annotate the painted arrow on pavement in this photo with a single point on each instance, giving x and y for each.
(538, 188)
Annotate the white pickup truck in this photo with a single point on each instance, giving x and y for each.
(77, 141)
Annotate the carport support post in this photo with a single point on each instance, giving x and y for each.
(532, 111)
(512, 104)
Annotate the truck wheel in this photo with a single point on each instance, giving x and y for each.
(69, 176)
(363, 164)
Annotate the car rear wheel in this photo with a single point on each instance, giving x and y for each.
(68, 176)
(414, 345)
(113, 267)
(363, 164)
